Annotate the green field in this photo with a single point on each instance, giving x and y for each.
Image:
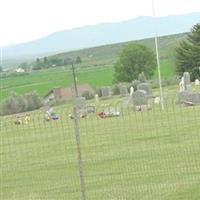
(44, 81)
(145, 155)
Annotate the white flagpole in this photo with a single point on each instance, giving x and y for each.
(1, 57)
(157, 57)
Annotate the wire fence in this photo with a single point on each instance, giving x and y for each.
(111, 153)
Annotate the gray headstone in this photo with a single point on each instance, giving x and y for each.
(140, 98)
(80, 102)
(187, 97)
(187, 83)
(123, 91)
(106, 92)
(146, 87)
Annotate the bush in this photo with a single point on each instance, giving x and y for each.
(20, 103)
(88, 95)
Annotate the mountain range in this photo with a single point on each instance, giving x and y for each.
(101, 34)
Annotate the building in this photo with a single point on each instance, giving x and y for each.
(64, 94)
(20, 70)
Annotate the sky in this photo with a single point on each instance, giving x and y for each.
(26, 20)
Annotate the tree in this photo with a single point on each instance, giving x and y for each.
(1, 69)
(133, 60)
(45, 60)
(187, 53)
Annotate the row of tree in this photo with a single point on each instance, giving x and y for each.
(53, 62)
(47, 62)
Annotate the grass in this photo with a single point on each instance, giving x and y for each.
(149, 155)
(43, 81)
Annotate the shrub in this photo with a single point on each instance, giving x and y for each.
(20, 103)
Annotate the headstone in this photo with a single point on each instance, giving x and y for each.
(188, 98)
(146, 87)
(157, 100)
(106, 92)
(187, 83)
(197, 82)
(123, 91)
(182, 96)
(96, 98)
(131, 91)
(80, 102)
(140, 98)
(90, 109)
(181, 85)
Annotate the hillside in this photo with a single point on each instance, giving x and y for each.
(102, 34)
(96, 68)
(107, 54)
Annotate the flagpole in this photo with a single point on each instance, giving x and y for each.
(1, 57)
(157, 57)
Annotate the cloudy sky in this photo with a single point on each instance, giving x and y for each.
(25, 20)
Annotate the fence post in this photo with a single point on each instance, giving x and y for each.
(77, 134)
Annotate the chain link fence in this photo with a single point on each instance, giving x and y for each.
(111, 153)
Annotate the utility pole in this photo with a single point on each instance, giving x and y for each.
(78, 141)
(74, 78)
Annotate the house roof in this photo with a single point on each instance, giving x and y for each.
(70, 91)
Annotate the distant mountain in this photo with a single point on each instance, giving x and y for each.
(101, 34)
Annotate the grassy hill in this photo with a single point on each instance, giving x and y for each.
(107, 54)
(96, 68)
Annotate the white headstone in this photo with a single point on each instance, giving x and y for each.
(157, 100)
(96, 98)
(181, 85)
(197, 82)
(131, 91)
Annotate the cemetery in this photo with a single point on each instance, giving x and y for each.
(135, 139)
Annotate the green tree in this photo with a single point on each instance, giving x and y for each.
(187, 53)
(1, 68)
(133, 60)
(45, 60)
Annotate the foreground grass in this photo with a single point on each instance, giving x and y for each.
(149, 155)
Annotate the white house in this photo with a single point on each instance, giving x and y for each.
(20, 70)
